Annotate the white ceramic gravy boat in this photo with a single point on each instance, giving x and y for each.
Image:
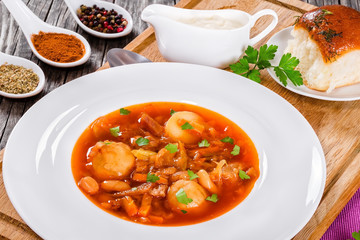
(31, 24)
(183, 42)
(8, 59)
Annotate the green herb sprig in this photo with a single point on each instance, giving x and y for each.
(261, 60)
(356, 235)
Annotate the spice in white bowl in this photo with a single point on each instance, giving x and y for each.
(17, 79)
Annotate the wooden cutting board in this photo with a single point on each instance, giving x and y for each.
(337, 124)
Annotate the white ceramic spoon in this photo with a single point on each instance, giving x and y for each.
(31, 24)
(73, 5)
(5, 58)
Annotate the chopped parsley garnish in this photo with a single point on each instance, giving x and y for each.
(172, 111)
(142, 141)
(192, 175)
(261, 60)
(151, 178)
(236, 150)
(172, 148)
(243, 175)
(212, 198)
(182, 197)
(204, 143)
(186, 126)
(124, 111)
(183, 211)
(115, 131)
(227, 140)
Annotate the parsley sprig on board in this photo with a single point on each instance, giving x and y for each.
(254, 60)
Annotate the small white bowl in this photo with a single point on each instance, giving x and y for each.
(73, 5)
(5, 58)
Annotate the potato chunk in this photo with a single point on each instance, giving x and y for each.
(173, 127)
(112, 160)
(193, 190)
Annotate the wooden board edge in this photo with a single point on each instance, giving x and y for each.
(331, 204)
(1, 158)
(294, 5)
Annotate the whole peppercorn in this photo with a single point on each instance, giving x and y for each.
(101, 19)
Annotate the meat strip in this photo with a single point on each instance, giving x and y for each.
(151, 124)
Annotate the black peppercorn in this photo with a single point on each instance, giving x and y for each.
(101, 20)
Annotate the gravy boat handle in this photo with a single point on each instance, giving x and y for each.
(268, 29)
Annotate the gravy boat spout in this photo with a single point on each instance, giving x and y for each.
(214, 38)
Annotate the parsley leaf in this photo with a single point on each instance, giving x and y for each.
(151, 178)
(261, 60)
(204, 143)
(115, 131)
(192, 175)
(183, 211)
(265, 55)
(172, 111)
(254, 75)
(227, 140)
(243, 175)
(286, 70)
(356, 235)
(182, 197)
(186, 126)
(124, 111)
(212, 198)
(172, 148)
(236, 150)
(242, 66)
(252, 55)
(142, 141)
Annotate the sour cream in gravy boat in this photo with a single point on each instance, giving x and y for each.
(214, 38)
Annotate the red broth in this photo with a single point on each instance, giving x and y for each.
(140, 197)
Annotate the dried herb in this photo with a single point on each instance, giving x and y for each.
(330, 34)
(296, 20)
(17, 79)
(319, 19)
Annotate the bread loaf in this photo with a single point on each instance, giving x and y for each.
(327, 43)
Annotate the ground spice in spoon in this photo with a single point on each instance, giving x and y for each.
(58, 47)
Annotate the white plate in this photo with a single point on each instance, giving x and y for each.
(37, 161)
(348, 93)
